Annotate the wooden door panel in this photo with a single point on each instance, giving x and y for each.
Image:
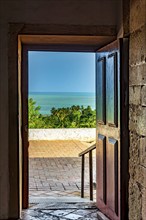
(101, 89)
(111, 89)
(101, 162)
(112, 174)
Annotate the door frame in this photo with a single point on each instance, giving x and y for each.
(20, 34)
(24, 104)
(62, 47)
(124, 117)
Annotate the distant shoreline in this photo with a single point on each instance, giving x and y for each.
(48, 100)
(59, 92)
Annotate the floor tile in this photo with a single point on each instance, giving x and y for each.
(73, 216)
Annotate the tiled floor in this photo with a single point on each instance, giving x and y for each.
(55, 168)
(63, 211)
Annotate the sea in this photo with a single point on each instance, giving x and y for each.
(48, 100)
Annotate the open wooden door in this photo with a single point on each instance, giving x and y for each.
(112, 129)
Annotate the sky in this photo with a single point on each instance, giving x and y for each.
(61, 71)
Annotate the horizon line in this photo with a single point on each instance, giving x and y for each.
(56, 92)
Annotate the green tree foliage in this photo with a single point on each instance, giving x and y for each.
(73, 117)
(34, 117)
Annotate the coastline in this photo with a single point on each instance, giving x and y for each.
(48, 100)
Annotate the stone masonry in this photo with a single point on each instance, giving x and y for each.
(137, 110)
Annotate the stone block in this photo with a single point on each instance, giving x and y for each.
(137, 119)
(132, 118)
(137, 75)
(141, 176)
(135, 201)
(134, 95)
(143, 96)
(142, 122)
(144, 204)
(137, 14)
(134, 156)
(143, 151)
(137, 53)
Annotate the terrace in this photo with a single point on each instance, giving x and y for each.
(55, 165)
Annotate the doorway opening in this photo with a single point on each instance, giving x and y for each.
(62, 121)
(111, 56)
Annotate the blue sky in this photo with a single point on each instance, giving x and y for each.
(61, 72)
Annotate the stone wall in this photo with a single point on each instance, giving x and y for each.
(83, 134)
(137, 110)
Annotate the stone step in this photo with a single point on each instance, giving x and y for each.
(49, 199)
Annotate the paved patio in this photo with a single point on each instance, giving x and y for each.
(55, 169)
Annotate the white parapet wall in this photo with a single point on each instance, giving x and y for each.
(82, 134)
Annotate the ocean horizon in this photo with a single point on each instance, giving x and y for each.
(48, 100)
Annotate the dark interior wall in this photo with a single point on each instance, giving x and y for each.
(84, 12)
(81, 13)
